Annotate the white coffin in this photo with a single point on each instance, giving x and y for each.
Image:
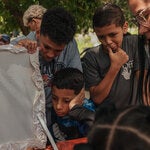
(21, 100)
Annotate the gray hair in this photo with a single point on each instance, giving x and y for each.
(34, 11)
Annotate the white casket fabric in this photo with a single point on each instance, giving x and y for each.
(21, 99)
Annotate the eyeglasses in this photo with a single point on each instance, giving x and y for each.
(142, 17)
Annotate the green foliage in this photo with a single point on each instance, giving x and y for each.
(83, 41)
(12, 11)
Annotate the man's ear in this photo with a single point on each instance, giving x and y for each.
(125, 27)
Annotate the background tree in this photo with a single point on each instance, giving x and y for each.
(12, 11)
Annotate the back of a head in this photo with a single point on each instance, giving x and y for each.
(69, 78)
(34, 11)
(59, 25)
(126, 129)
(107, 15)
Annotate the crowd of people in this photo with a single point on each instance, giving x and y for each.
(116, 73)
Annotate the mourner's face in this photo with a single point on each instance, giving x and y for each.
(49, 49)
(110, 36)
(141, 11)
(61, 99)
(34, 24)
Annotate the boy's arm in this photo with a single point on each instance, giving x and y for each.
(79, 112)
(82, 114)
(78, 100)
(101, 91)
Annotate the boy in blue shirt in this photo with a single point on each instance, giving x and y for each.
(71, 116)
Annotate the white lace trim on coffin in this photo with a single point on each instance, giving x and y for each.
(21, 87)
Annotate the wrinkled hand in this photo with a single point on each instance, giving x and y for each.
(118, 58)
(30, 45)
(78, 99)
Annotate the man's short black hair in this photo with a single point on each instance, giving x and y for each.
(107, 15)
(59, 25)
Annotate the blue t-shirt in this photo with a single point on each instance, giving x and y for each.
(67, 127)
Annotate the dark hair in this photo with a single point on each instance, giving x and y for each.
(124, 129)
(144, 79)
(107, 15)
(59, 25)
(69, 78)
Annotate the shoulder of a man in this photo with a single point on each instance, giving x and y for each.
(90, 51)
(70, 55)
(131, 38)
(32, 36)
(71, 45)
(94, 49)
(130, 43)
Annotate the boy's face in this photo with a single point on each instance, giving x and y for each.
(61, 99)
(49, 49)
(111, 36)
